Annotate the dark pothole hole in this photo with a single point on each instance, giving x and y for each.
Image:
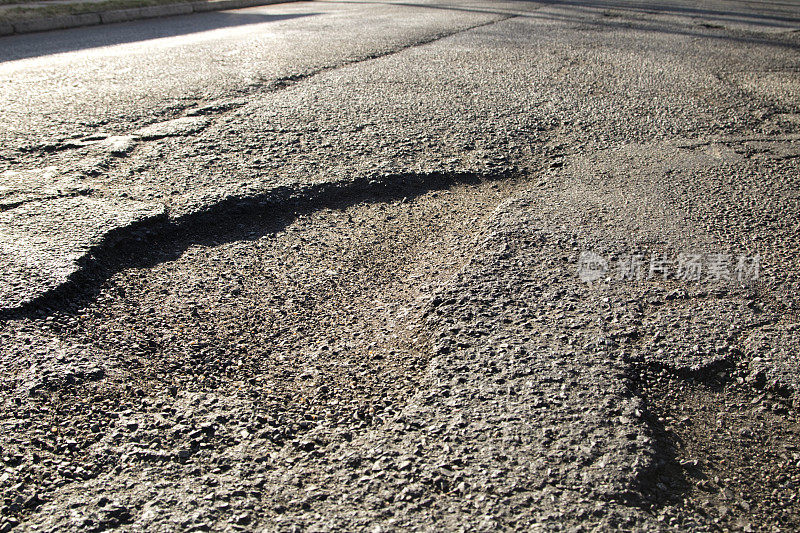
(726, 453)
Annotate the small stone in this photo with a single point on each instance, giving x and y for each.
(183, 453)
(8, 524)
(119, 144)
(306, 445)
(33, 502)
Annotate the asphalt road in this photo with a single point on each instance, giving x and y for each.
(403, 266)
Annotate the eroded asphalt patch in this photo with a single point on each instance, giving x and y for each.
(482, 409)
(344, 372)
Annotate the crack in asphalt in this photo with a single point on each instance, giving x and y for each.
(7, 206)
(742, 139)
(288, 81)
(263, 86)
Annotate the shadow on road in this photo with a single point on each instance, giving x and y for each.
(55, 42)
(764, 13)
(708, 22)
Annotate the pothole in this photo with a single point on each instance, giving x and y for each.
(729, 453)
(251, 342)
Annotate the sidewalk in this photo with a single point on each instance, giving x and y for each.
(47, 15)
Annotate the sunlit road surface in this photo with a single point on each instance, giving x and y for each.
(403, 266)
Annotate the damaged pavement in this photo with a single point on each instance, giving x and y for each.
(318, 266)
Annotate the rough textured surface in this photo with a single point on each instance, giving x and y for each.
(45, 240)
(318, 267)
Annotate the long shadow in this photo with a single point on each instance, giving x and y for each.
(55, 42)
(233, 219)
(586, 13)
(685, 30)
(786, 18)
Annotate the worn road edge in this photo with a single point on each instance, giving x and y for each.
(63, 22)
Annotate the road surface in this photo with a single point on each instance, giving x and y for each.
(403, 266)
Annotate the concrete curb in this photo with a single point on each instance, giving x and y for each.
(123, 15)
